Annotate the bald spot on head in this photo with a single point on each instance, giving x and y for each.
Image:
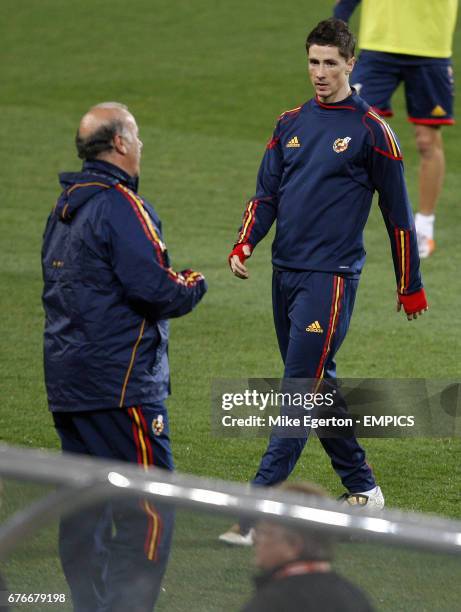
(102, 115)
(109, 132)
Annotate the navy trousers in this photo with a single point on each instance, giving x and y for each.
(312, 311)
(114, 555)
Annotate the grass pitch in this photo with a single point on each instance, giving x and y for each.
(206, 81)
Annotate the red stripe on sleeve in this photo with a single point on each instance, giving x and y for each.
(378, 150)
(386, 135)
(135, 208)
(158, 250)
(244, 220)
(272, 143)
(253, 221)
(399, 252)
(407, 260)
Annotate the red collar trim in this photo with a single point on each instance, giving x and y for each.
(334, 105)
(302, 567)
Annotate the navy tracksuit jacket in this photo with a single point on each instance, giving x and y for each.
(316, 180)
(109, 290)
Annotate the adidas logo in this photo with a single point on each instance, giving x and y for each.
(315, 327)
(294, 142)
(438, 111)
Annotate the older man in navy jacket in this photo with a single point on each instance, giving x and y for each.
(109, 292)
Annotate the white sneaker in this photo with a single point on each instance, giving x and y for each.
(373, 500)
(236, 538)
(426, 246)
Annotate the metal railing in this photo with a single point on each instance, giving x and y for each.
(82, 481)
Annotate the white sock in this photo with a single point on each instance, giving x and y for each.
(425, 225)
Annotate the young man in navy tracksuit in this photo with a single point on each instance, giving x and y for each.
(317, 178)
(109, 290)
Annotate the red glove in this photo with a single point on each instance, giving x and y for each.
(414, 302)
(238, 250)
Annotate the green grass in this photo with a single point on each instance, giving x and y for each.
(206, 81)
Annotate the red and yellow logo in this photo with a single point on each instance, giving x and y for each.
(341, 144)
(158, 425)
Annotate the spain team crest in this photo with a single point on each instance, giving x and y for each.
(341, 144)
(158, 425)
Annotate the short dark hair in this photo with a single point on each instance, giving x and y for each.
(333, 33)
(100, 141)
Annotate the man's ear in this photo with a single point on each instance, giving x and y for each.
(350, 63)
(119, 144)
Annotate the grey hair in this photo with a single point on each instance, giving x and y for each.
(118, 105)
(100, 141)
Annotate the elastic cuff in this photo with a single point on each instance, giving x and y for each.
(238, 250)
(414, 302)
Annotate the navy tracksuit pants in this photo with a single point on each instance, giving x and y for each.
(114, 555)
(312, 311)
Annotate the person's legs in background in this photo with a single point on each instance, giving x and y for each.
(431, 176)
(429, 93)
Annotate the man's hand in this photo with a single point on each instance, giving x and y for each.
(414, 304)
(190, 277)
(237, 258)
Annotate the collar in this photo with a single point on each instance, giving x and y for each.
(298, 567)
(99, 166)
(346, 104)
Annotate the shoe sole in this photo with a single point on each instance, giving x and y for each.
(234, 539)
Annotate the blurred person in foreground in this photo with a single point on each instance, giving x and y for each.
(410, 42)
(321, 167)
(109, 290)
(296, 572)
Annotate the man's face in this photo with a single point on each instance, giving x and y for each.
(329, 72)
(274, 545)
(133, 145)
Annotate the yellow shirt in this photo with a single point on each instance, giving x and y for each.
(413, 27)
